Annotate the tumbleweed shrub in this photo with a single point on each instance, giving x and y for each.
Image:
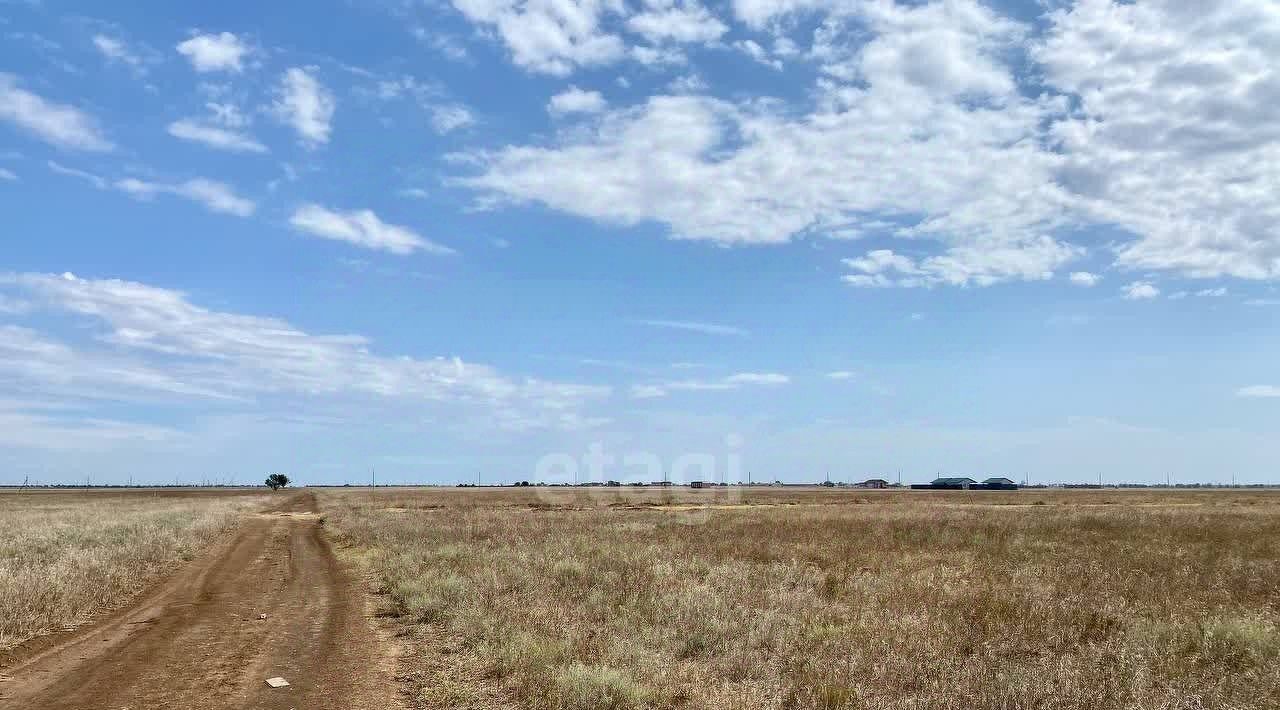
(68, 556)
(921, 600)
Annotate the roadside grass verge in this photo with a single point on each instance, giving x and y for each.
(67, 556)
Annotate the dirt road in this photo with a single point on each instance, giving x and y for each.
(197, 641)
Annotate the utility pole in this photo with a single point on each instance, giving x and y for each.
(373, 477)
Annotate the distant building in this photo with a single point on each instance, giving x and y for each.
(874, 483)
(696, 484)
(949, 483)
(1000, 484)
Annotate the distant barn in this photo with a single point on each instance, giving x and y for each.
(1000, 484)
(874, 483)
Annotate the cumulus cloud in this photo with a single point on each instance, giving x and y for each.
(686, 22)
(1141, 291)
(57, 124)
(304, 104)
(982, 263)
(987, 136)
(1176, 136)
(1084, 278)
(446, 118)
(550, 36)
(362, 228)
(215, 52)
(575, 100)
(882, 141)
(1259, 391)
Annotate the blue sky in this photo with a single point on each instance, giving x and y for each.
(436, 239)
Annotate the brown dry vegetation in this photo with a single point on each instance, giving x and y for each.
(784, 598)
(66, 556)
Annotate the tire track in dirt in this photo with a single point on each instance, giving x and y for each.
(196, 642)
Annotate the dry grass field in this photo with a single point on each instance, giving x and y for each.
(68, 555)
(788, 598)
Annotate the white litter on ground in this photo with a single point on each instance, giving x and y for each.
(277, 682)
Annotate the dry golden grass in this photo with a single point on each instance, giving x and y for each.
(785, 598)
(68, 555)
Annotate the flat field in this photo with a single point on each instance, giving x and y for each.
(812, 598)
(68, 555)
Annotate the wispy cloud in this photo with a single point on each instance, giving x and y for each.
(1259, 391)
(362, 228)
(213, 195)
(732, 382)
(216, 137)
(153, 344)
(695, 327)
(57, 124)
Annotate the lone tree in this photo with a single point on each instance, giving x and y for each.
(276, 481)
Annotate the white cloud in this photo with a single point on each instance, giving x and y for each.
(885, 143)
(841, 375)
(446, 118)
(414, 193)
(1176, 138)
(305, 104)
(686, 22)
(215, 196)
(1259, 391)
(1084, 278)
(115, 49)
(1156, 117)
(575, 100)
(155, 344)
(6, 174)
(550, 36)
(215, 52)
(753, 49)
(362, 228)
(1141, 291)
(57, 124)
(757, 378)
(731, 382)
(687, 84)
(695, 327)
(216, 137)
(982, 264)
(90, 178)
